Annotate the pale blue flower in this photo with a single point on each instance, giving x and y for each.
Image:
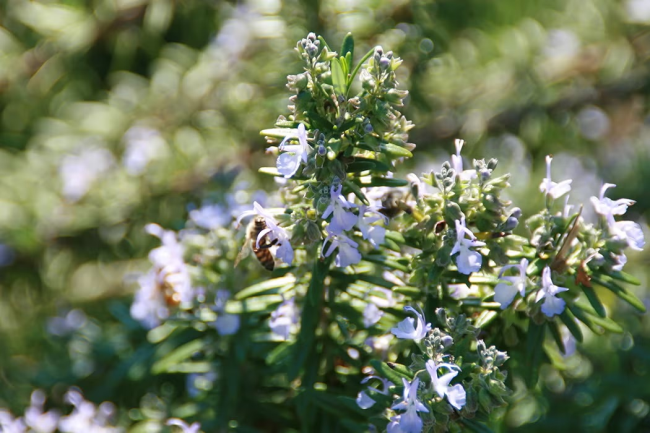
(185, 427)
(406, 329)
(211, 216)
(631, 232)
(227, 324)
(551, 188)
(38, 420)
(608, 207)
(342, 219)
(505, 291)
(364, 400)
(348, 254)
(289, 161)
(371, 315)
(284, 319)
(457, 162)
(456, 395)
(409, 421)
(467, 261)
(370, 231)
(552, 303)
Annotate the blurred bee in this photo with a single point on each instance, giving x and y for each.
(263, 253)
(392, 204)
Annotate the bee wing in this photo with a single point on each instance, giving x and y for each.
(243, 252)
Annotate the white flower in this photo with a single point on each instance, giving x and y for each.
(457, 163)
(284, 318)
(455, 394)
(36, 419)
(185, 427)
(552, 304)
(289, 161)
(342, 220)
(211, 216)
(506, 291)
(347, 249)
(630, 232)
(551, 188)
(142, 146)
(409, 421)
(9, 424)
(85, 417)
(406, 330)
(608, 207)
(372, 232)
(371, 315)
(274, 232)
(467, 261)
(364, 400)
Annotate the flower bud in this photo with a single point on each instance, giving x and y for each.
(395, 96)
(322, 150)
(312, 232)
(368, 128)
(447, 341)
(321, 204)
(515, 213)
(442, 315)
(500, 358)
(510, 224)
(384, 63)
(485, 174)
(492, 164)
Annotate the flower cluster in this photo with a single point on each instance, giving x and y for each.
(428, 395)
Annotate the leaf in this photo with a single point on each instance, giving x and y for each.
(555, 332)
(384, 181)
(395, 151)
(253, 305)
(177, 355)
(347, 47)
(363, 164)
(485, 318)
(627, 278)
(264, 286)
(569, 321)
(160, 333)
(384, 370)
(534, 350)
(338, 77)
(619, 291)
(191, 367)
(273, 171)
(590, 293)
(585, 318)
(395, 237)
(357, 191)
(476, 426)
(389, 262)
(280, 132)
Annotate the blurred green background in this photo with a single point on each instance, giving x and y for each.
(117, 113)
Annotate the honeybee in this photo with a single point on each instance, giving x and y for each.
(263, 253)
(393, 203)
